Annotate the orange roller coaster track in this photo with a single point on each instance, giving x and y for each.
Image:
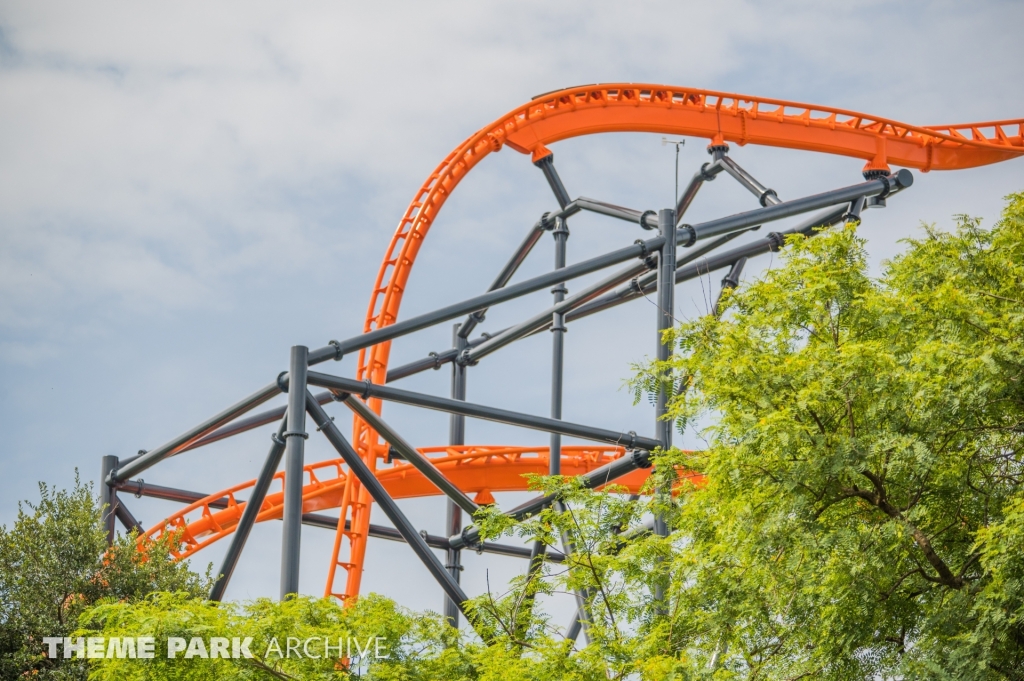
(723, 119)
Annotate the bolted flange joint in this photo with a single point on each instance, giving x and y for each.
(641, 458)
(645, 219)
(692, 235)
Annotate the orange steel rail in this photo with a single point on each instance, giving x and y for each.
(619, 107)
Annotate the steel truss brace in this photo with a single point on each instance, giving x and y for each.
(137, 464)
(687, 235)
(438, 359)
(410, 454)
(691, 270)
(126, 517)
(365, 389)
(252, 509)
(359, 468)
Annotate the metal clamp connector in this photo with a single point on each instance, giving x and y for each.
(764, 197)
(643, 219)
(776, 240)
(281, 385)
(464, 359)
(641, 458)
(560, 289)
(142, 486)
(643, 248)
(330, 419)
(437, 360)
(367, 386)
(634, 284)
(705, 175)
(558, 322)
(546, 223)
(693, 235)
(275, 438)
(337, 350)
(294, 433)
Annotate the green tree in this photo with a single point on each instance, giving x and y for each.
(860, 509)
(378, 640)
(55, 563)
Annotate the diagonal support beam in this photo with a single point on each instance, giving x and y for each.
(365, 389)
(505, 275)
(692, 268)
(136, 465)
(410, 453)
(880, 187)
(359, 468)
(126, 517)
(337, 349)
(252, 509)
(687, 235)
(544, 318)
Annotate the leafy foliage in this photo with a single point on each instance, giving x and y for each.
(411, 646)
(54, 563)
(860, 510)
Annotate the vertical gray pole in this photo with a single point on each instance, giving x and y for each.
(295, 440)
(108, 496)
(561, 235)
(456, 436)
(666, 320)
(252, 509)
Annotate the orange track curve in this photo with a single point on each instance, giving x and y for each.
(631, 107)
(474, 469)
(621, 107)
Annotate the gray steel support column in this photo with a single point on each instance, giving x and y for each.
(252, 509)
(561, 235)
(295, 441)
(108, 496)
(456, 436)
(666, 320)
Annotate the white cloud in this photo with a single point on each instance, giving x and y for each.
(188, 189)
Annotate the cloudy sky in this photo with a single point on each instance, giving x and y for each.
(187, 190)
